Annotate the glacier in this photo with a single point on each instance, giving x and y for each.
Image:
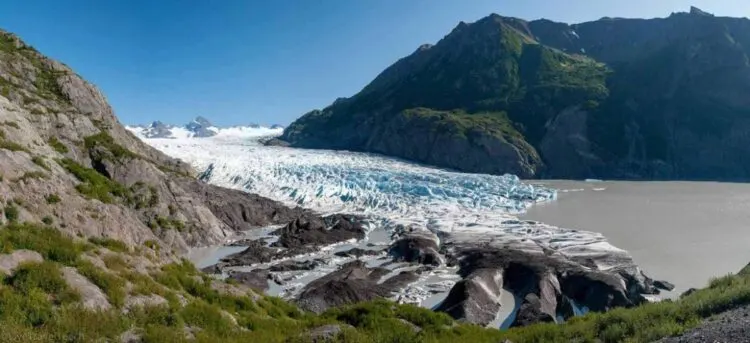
(465, 210)
(336, 181)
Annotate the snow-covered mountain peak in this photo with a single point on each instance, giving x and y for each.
(200, 127)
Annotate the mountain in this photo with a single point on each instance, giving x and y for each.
(614, 98)
(200, 127)
(65, 159)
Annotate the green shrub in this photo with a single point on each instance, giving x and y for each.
(31, 309)
(57, 145)
(53, 199)
(38, 160)
(208, 317)
(47, 220)
(11, 213)
(94, 185)
(103, 139)
(170, 223)
(7, 145)
(51, 243)
(110, 243)
(45, 276)
(12, 124)
(151, 244)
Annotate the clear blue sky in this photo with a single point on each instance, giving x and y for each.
(242, 61)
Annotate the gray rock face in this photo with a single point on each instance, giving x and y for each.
(200, 127)
(416, 245)
(354, 282)
(92, 296)
(142, 301)
(547, 282)
(325, 333)
(310, 231)
(9, 262)
(255, 279)
(476, 298)
(605, 120)
(153, 197)
(158, 129)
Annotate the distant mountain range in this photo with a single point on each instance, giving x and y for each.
(200, 127)
(665, 98)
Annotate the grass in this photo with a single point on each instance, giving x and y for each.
(11, 124)
(94, 185)
(32, 175)
(168, 223)
(49, 242)
(113, 286)
(39, 160)
(103, 139)
(57, 145)
(36, 301)
(109, 243)
(7, 145)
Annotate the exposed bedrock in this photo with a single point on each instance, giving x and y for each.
(547, 283)
(353, 282)
(309, 232)
(415, 244)
(305, 234)
(256, 279)
(476, 298)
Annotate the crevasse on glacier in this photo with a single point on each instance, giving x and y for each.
(335, 181)
(386, 189)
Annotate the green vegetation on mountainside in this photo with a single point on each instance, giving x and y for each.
(485, 67)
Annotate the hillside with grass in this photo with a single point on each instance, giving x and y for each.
(57, 288)
(613, 98)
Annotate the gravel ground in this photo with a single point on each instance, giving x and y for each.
(729, 327)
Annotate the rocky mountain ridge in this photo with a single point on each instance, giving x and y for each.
(613, 98)
(66, 160)
(199, 127)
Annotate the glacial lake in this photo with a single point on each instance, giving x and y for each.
(681, 232)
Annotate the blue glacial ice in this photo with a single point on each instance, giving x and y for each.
(335, 181)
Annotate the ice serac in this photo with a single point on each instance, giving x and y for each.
(452, 239)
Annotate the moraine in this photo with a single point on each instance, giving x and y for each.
(446, 240)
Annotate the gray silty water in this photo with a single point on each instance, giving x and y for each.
(682, 232)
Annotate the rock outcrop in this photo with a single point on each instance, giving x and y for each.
(65, 159)
(353, 282)
(416, 245)
(547, 280)
(613, 98)
(310, 232)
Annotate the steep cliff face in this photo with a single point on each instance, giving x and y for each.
(616, 98)
(66, 160)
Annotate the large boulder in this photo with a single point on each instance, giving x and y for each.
(548, 283)
(476, 298)
(352, 283)
(308, 232)
(414, 244)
